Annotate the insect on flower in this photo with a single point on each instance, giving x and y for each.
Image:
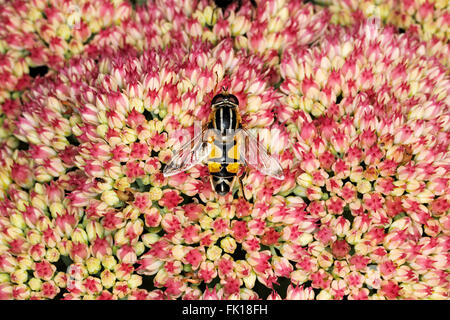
(126, 196)
(226, 145)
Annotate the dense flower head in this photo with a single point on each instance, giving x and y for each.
(358, 117)
(35, 33)
(427, 19)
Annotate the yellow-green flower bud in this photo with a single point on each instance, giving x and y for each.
(110, 197)
(131, 212)
(213, 253)
(25, 261)
(137, 104)
(56, 209)
(52, 255)
(139, 248)
(122, 183)
(149, 239)
(79, 236)
(35, 284)
(324, 295)
(304, 239)
(305, 180)
(155, 193)
(34, 237)
(89, 297)
(210, 16)
(249, 281)
(134, 281)
(63, 31)
(205, 222)
(240, 25)
(119, 237)
(60, 279)
(363, 186)
(19, 276)
(178, 252)
(38, 201)
(128, 135)
(212, 209)
(41, 174)
(161, 276)
(102, 129)
(325, 260)
(299, 277)
(228, 244)
(94, 229)
(426, 196)
(108, 262)
(18, 221)
(108, 278)
(4, 278)
(5, 179)
(95, 25)
(93, 265)
(400, 188)
(317, 109)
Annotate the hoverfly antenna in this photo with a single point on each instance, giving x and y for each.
(225, 89)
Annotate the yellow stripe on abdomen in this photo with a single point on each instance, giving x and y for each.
(214, 166)
(233, 167)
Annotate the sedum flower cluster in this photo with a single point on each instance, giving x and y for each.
(429, 20)
(357, 115)
(46, 33)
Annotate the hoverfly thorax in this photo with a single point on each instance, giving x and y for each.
(225, 115)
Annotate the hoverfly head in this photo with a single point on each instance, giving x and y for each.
(224, 98)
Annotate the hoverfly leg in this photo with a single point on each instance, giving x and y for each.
(241, 189)
(241, 184)
(211, 181)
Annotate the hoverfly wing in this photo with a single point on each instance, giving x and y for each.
(188, 155)
(254, 155)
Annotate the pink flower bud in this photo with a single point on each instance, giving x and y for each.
(49, 290)
(340, 249)
(79, 252)
(7, 263)
(37, 252)
(22, 175)
(44, 270)
(299, 293)
(207, 271)
(127, 254)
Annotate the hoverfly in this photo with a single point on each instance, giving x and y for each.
(225, 145)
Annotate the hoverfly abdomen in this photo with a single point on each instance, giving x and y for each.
(224, 160)
(222, 181)
(223, 164)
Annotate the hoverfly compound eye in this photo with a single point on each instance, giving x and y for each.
(217, 99)
(233, 99)
(223, 99)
